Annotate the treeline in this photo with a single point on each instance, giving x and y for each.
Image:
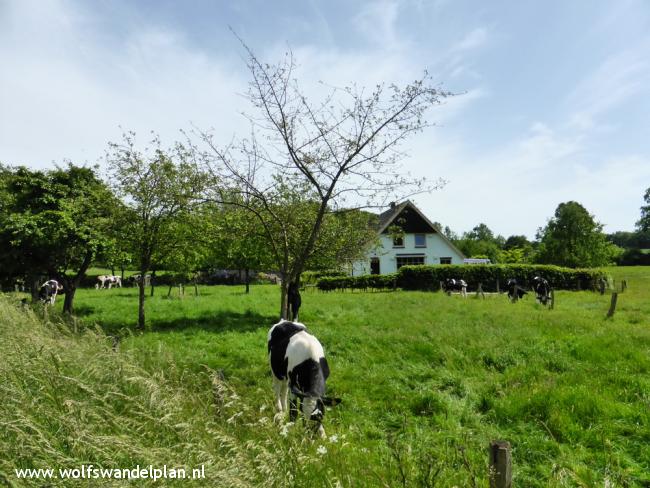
(58, 223)
(571, 238)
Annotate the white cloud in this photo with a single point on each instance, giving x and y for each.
(619, 78)
(473, 40)
(65, 91)
(377, 20)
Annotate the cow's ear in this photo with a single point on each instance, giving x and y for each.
(331, 402)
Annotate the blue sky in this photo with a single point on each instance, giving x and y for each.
(553, 104)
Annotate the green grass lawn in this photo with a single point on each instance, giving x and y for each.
(427, 382)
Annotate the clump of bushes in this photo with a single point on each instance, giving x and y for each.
(312, 277)
(365, 282)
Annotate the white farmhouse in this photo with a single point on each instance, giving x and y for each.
(421, 243)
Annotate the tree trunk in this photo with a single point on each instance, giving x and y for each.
(71, 289)
(284, 302)
(153, 279)
(122, 273)
(72, 284)
(169, 293)
(34, 287)
(112, 270)
(247, 279)
(141, 303)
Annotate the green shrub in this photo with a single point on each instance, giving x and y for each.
(365, 282)
(312, 277)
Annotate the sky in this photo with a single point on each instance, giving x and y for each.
(552, 98)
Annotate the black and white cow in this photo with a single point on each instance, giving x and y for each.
(299, 367)
(48, 291)
(515, 292)
(294, 300)
(108, 281)
(135, 280)
(542, 290)
(452, 284)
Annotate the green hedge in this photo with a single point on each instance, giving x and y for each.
(365, 282)
(312, 277)
(429, 277)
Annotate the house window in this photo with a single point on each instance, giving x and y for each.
(445, 260)
(420, 240)
(398, 242)
(409, 260)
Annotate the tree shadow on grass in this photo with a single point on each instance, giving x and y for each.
(220, 321)
(83, 310)
(216, 322)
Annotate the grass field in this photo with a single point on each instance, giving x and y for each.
(426, 380)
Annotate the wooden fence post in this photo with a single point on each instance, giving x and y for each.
(612, 305)
(500, 465)
(602, 286)
(623, 285)
(479, 291)
(552, 299)
(498, 290)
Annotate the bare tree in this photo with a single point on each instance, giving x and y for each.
(343, 152)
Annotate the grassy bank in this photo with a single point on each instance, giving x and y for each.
(427, 381)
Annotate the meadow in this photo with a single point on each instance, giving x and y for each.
(427, 381)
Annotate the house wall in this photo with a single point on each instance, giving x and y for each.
(435, 249)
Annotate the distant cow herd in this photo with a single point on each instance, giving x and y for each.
(540, 286)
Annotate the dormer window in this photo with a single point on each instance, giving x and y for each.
(398, 242)
(420, 240)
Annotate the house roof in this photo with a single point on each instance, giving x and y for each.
(386, 218)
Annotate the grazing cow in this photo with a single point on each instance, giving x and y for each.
(515, 291)
(48, 291)
(101, 279)
(542, 290)
(107, 281)
(135, 280)
(114, 281)
(451, 284)
(294, 300)
(299, 366)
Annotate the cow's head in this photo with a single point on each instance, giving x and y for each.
(313, 407)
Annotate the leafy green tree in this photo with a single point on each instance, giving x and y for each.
(481, 242)
(516, 249)
(54, 223)
(233, 239)
(520, 241)
(643, 224)
(573, 238)
(157, 186)
(345, 237)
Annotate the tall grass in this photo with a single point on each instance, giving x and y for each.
(68, 400)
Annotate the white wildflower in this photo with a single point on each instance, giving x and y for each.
(334, 439)
(322, 450)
